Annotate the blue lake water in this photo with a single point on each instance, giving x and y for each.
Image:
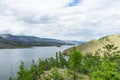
(10, 58)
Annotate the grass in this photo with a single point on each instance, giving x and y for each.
(94, 45)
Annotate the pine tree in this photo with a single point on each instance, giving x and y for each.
(51, 62)
(89, 62)
(47, 66)
(106, 71)
(21, 73)
(41, 66)
(34, 71)
(10, 78)
(62, 60)
(110, 65)
(75, 62)
(57, 60)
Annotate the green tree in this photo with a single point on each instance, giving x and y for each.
(89, 62)
(109, 67)
(62, 61)
(106, 71)
(111, 53)
(47, 66)
(51, 62)
(10, 78)
(34, 71)
(75, 61)
(57, 60)
(21, 72)
(41, 66)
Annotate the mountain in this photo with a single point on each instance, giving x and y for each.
(12, 41)
(74, 42)
(96, 44)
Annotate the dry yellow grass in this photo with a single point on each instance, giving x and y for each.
(94, 45)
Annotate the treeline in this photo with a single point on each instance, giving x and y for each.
(104, 64)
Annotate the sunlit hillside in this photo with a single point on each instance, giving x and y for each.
(96, 44)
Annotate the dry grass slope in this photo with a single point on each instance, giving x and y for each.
(94, 45)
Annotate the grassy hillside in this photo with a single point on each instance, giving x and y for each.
(96, 44)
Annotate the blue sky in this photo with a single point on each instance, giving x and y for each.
(61, 19)
(74, 3)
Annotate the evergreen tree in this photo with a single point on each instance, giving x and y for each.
(62, 60)
(10, 78)
(34, 71)
(41, 66)
(75, 61)
(89, 62)
(110, 51)
(57, 60)
(47, 66)
(21, 73)
(109, 67)
(51, 62)
(106, 71)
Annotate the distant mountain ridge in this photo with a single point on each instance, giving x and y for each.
(28, 38)
(12, 41)
(96, 44)
(74, 42)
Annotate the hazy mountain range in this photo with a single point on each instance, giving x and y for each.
(74, 42)
(12, 41)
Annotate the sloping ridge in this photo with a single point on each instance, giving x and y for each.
(12, 41)
(96, 44)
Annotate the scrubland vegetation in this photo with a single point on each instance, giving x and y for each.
(76, 66)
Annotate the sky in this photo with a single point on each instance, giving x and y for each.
(81, 20)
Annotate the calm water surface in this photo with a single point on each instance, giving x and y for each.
(10, 58)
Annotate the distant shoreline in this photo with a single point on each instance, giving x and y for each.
(33, 47)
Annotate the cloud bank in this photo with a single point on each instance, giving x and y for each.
(61, 19)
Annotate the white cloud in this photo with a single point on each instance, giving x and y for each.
(54, 18)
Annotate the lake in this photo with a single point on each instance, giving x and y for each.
(10, 58)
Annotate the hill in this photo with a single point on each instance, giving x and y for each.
(12, 41)
(96, 44)
(74, 42)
